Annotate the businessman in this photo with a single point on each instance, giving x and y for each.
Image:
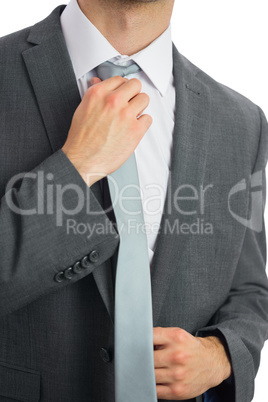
(103, 120)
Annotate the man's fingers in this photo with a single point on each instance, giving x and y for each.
(126, 90)
(139, 103)
(161, 336)
(164, 392)
(145, 120)
(130, 89)
(160, 359)
(113, 83)
(95, 80)
(164, 336)
(163, 376)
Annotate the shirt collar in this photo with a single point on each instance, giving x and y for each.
(88, 48)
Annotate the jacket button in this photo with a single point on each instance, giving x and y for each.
(94, 256)
(106, 355)
(85, 262)
(59, 277)
(77, 267)
(68, 273)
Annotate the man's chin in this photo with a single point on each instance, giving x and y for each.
(133, 2)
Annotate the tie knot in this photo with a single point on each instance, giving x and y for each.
(108, 69)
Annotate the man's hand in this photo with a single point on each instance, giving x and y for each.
(106, 127)
(187, 366)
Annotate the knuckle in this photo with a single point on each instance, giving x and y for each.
(118, 78)
(177, 390)
(137, 83)
(183, 358)
(178, 335)
(95, 90)
(176, 357)
(126, 114)
(113, 100)
(177, 374)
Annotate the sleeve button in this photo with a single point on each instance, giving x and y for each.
(85, 262)
(68, 273)
(77, 267)
(59, 277)
(94, 256)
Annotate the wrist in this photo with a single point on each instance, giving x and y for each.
(88, 174)
(218, 359)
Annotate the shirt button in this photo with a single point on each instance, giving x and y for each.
(59, 277)
(68, 273)
(94, 256)
(106, 355)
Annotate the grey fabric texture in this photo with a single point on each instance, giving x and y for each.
(51, 334)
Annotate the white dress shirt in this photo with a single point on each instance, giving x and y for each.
(88, 48)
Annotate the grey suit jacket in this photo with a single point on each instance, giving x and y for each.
(56, 327)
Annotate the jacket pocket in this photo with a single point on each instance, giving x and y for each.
(19, 383)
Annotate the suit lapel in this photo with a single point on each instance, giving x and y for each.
(53, 80)
(54, 84)
(190, 144)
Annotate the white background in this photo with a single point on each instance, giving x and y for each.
(227, 39)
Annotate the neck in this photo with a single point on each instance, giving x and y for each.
(129, 25)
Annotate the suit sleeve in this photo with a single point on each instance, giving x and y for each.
(242, 321)
(39, 246)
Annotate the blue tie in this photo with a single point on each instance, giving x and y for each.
(134, 351)
(108, 69)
